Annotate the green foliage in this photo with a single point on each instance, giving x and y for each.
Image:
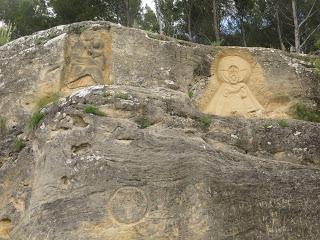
(3, 125)
(283, 123)
(241, 22)
(45, 100)
(78, 29)
(35, 119)
(149, 20)
(27, 16)
(143, 122)
(5, 34)
(317, 44)
(267, 126)
(121, 95)
(205, 121)
(93, 110)
(106, 94)
(18, 145)
(217, 43)
(301, 112)
(190, 93)
(316, 65)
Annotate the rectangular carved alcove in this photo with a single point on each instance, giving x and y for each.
(87, 60)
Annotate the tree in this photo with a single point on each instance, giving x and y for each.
(159, 14)
(216, 23)
(298, 14)
(27, 16)
(148, 21)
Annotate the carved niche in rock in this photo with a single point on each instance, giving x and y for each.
(87, 60)
(234, 76)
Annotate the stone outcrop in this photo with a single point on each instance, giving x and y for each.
(154, 138)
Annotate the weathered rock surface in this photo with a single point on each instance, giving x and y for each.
(154, 167)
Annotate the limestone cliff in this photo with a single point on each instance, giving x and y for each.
(147, 137)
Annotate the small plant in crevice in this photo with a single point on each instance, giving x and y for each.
(121, 95)
(3, 125)
(205, 121)
(41, 102)
(301, 112)
(283, 123)
(107, 94)
(38, 41)
(190, 93)
(143, 122)
(52, 35)
(18, 145)
(267, 126)
(78, 29)
(35, 119)
(93, 110)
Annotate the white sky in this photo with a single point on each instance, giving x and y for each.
(150, 3)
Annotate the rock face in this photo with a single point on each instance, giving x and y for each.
(135, 149)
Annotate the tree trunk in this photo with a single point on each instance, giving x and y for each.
(127, 12)
(296, 27)
(283, 48)
(189, 24)
(159, 15)
(215, 20)
(243, 32)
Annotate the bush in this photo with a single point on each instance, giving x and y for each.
(93, 110)
(301, 112)
(35, 119)
(283, 123)
(205, 121)
(121, 95)
(18, 145)
(107, 94)
(143, 123)
(5, 34)
(45, 100)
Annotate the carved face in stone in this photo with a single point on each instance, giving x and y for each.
(233, 74)
(233, 70)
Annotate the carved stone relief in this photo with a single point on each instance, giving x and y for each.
(229, 92)
(87, 60)
(128, 205)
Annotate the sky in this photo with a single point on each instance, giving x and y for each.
(150, 3)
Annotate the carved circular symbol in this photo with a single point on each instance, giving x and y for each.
(128, 205)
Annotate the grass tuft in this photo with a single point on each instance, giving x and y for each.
(93, 110)
(205, 121)
(283, 123)
(316, 65)
(35, 119)
(107, 94)
(190, 93)
(5, 33)
(3, 125)
(302, 112)
(143, 123)
(18, 145)
(121, 95)
(217, 43)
